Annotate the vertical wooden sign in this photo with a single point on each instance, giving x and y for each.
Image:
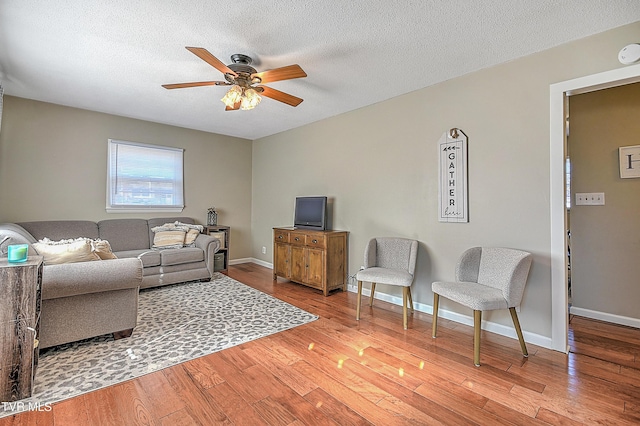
(453, 200)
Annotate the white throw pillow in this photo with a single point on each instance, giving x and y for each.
(103, 249)
(169, 239)
(65, 251)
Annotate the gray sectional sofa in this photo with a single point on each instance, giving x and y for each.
(87, 299)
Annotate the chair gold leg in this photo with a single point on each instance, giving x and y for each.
(436, 299)
(410, 299)
(477, 322)
(516, 324)
(359, 301)
(405, 296)
(373, 291)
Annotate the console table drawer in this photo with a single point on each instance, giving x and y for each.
(297, 238)
(281, 236)
(314, 240)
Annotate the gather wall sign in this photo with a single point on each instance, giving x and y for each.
(453, 199)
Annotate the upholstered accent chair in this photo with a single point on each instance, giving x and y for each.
(390, 261)
(487, 278)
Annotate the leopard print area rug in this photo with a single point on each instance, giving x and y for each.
(176, 323)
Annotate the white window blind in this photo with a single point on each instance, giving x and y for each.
(144, 178)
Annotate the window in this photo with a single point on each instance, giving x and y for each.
(144, 178)
(567, 171)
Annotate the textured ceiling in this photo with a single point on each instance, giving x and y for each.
(112, 56)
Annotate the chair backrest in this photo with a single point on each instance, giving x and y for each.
(502, 268)
(391, 253)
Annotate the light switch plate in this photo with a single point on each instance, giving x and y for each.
(590, 199)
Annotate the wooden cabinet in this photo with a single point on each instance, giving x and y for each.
(20, 287)
(224, 246)
(316, 259)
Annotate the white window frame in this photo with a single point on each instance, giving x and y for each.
(567, 172)
(112, 179)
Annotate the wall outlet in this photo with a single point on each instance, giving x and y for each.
(590, 199)
(264, 250)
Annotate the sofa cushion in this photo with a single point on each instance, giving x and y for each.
(148, 257)
(185, 267)
(125, 234)
(181, 256)
(62, 229)
(65, 251)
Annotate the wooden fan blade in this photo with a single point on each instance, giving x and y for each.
(211, 60)
(196, 84)
(236, 107)
(280, 96)
(284, 73)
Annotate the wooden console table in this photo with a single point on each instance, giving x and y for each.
(316, 259)
(20, 287)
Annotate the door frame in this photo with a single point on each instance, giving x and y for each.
(559, 109)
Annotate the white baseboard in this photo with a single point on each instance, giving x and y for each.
(604, 316)
(503, 330)
(251, 260)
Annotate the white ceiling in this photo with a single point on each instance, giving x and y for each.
(112, 56)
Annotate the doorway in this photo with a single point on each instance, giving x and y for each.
(604, 237)
(559, 94)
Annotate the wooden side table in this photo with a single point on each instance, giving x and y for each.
(20, 289)
(224, 247)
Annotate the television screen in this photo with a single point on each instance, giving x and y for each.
(310, 212)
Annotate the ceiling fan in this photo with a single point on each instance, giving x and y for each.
(245, 81)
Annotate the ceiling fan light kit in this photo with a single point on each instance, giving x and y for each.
(248, 98)
(243, 79)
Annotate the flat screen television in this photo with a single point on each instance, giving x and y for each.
(311, 213)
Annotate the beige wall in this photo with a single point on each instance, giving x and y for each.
(53, 165)
(380, 165)
(605, 240)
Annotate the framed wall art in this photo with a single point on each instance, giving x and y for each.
(629, 161)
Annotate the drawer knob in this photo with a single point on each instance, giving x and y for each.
(297, 238)
(280, 236)
(314, 241)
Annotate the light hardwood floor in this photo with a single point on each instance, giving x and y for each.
(341, 372)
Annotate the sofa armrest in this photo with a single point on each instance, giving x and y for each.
(10, 233)
(210, 246)
(71, 279)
